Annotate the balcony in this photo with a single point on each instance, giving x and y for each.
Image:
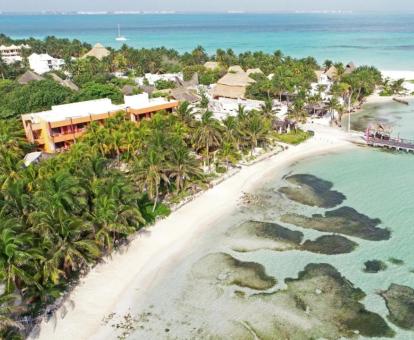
(68, 136)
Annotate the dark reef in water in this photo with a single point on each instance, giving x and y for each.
(276, 232)
(322, 293)
(374, 266)
(341, 295)
(330, 245)
(395, 261)
(344, 220)
(226, 270)
(400, 303)
(261, 233)
(313, 191)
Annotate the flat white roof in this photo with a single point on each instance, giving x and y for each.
(92, 107)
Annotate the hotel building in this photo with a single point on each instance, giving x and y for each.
(12, 54)
(43, 63)
(55, 130)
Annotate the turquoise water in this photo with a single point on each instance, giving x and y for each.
(399, 117)
(376, 183)
(385, 40)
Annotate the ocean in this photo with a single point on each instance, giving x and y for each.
(385, 40)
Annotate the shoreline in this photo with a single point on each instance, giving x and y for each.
(107, 285)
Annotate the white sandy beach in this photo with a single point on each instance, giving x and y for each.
(107, 285)
(401, 74)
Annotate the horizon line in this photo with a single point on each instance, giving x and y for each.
(173, 12)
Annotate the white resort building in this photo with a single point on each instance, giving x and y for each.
(43, 63)
(12, 54)
(151, 78)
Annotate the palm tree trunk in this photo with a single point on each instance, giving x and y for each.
(155, 199)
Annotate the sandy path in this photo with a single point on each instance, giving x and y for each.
(107, 285)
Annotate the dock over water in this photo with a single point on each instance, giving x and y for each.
(391, 143)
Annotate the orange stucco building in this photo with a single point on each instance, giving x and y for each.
(55, 130)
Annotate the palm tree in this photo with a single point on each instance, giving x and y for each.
(255, 129)
(182, 167)
(13, 255)
(8, 309)
(110, 219)
(297, 110)
(228, 153)
(185, 113)
(267, 108)
(231, 133)
(65, 237)
(241, 112)
(207, 135)
(150, 172)
(333, 105)
(62, 190)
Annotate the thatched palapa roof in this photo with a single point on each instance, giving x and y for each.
(212, 65)
(98, 51)
(29, 76)
(349, 68)
(128, 90)
(233, 85)
(332, 72)
(235, 69)
(182, 94)
(251, 71)
(66, 83)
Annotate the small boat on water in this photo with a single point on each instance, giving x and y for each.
(120, 37)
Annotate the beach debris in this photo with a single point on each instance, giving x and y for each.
(249, 199)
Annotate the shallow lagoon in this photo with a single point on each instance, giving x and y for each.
(186, 304)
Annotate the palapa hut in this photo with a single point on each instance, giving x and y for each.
(283, 126)
(129, 90)
(332, 72)
(235, 69)
(66, 83)
(193, 82)
(98, 51)
(185, 95)
(212, 65)
(251, 71)
(349, 68)
(318, 109)
(232, 85)
(29, 76)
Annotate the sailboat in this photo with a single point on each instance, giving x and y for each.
(120, 37)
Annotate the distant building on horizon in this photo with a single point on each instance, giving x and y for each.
(43, 63)
(57, 129)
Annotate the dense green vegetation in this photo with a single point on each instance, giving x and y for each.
(294, 137)
(61, 216)
(291, 77)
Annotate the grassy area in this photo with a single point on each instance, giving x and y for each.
(294, 137)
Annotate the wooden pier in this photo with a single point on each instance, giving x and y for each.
(376, 139)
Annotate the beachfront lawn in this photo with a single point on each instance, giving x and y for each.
(294, 137)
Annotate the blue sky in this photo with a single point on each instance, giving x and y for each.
(203, 5)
